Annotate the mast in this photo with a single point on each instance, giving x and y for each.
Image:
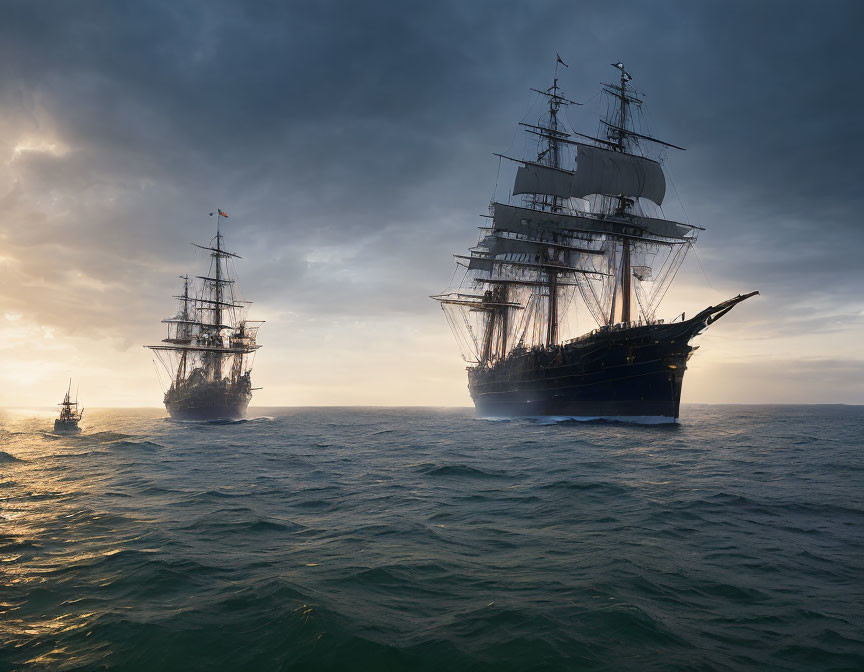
(184, 330)
(554, 151)
(486, 354)
(66, 412)
(496, 304)
(552, 326)
(217, 312)
(501, 289)
(554, 145)
(217, 255)
(216, 301)
(623, 202)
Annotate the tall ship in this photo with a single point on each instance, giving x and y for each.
(210, 347)
(581, 240)
(70, 414)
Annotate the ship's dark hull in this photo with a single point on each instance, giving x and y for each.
(208, 401)
(66, 427)
(632, 374)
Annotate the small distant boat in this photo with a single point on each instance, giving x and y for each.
(70, 414)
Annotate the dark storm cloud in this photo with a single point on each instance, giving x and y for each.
(351, 141)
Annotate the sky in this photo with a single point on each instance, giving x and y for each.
(352, 145)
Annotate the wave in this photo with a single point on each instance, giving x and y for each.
(221, 421)
(142, 443)
(219, 494)
(106, 437)
(624, 421)
(460, 470)
(314, 504)
(205, 423)
(586, 486)
(221, 523)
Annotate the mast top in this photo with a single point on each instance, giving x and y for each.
(625, 76)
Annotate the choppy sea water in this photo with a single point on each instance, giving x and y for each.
(424, 539)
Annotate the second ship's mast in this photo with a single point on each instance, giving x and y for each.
(184, 330)
(217, 313)
(624, 203)
(555, 157)
(215, 304)
(552, 156)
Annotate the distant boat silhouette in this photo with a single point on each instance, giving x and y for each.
(70, 414)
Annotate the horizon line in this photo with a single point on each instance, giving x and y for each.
(689, 403)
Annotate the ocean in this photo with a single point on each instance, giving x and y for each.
(426, 539)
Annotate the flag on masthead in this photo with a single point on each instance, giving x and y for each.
(620, 66)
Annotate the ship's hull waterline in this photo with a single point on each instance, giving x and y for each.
(64, 427)
(631, 374)
(213, 401)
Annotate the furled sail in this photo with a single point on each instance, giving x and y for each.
(598, 171)
(528, 222)
(483, 261)
(480, 264)
(533, 178)
(661, 227)
(502, 245)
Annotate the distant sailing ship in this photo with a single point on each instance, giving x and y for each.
(70, 414)
(210, 346)
(587, 234)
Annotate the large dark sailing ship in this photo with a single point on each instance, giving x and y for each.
(210, 347)
(587, 240)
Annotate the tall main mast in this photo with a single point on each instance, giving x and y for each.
(215, 303)
(623, 202)
(555, 203)
(555, 152)
(184, 330)
(217, 255)
(217, 313)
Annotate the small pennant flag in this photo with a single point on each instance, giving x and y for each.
(222, 214)
(561, 61)
(620, 66)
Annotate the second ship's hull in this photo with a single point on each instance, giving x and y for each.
(208, 401)
(633, 374)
